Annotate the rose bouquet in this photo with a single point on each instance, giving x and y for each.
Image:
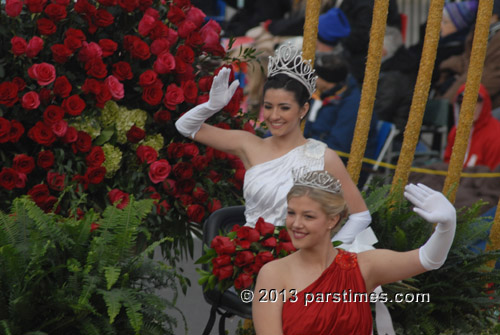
(89, 93)
(235, 258)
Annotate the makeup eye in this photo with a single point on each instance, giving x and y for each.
(266, 106)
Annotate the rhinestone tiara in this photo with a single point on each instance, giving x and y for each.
(289, 61)
(317, 179)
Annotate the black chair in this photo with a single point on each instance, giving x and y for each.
(229, 303)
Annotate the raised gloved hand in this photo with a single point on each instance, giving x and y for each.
(221, 92)
(220, 95)
(435, 208)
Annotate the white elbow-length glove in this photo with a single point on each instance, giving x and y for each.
(355, 224)
(220, 95)
(435, 208)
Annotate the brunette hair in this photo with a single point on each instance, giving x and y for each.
(282, 81)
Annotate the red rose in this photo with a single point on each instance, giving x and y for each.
(222, 245)
(46, 26)
(89, 51)
(160, 46)
(81, 180)
(35, 6)
(185, 28)
(8, 94)
(210, 33)
(186, 200)
(108, 47)
(169, 185)
(152, 95)
(283, 236)
(214, 176)
(190, 150)
(13, 7)
(103, 18)
(160, 30)
(16, 131)
(120, 198)
(173, 97)
(76, 34)
(95, 157)
(95, 175)
(62, 87)
(287, 246)
(200, 195)
(263, 257)
(200, 162)
(195, 213)
(135, 134)
(244, 280)
(30, 100)
(95, 67)
(93, 226)
(185, 53)
(108, 3)
(42, 134)
(183, 170)
(115, 87)
(73, 105)
(21, 84)
(148, 78)
(221, 260)
(8, 178)
(39, 193)
(56, 12)
(83, 142)
(21, 180)
(164, 63)
(248, 233)
(264, 228)
(56, 181)
(269, 242)
(190, 91)
(159, 170)
(60, 53)
(242, 243)
(122, 71)
(19, 45)
(23, 163)
(175, 15)
(128, 5)
(205, 83)
(234, 104)
(46, 96)
(48, 204)
(162, 116)
(103, 96)
(175, 150)
(140, 50)
(196, 16)
(146, 154)
(243, 258)
(91, 85)
(35, 45)
(146, 24)
(71, 135)
(185, 186)
(72, 43)
(45, 159)
(213, 205)
(43, 73)
(60, 128)
(223, 272)
(163, 207)
(249, 127)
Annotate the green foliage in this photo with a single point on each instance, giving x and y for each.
(57, 276)
(462, 298)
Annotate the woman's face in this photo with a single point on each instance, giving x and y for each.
(282, 112)
(307, 223)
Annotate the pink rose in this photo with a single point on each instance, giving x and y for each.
(30, 100)
(115, 87)
(159, 46)
(120, 198)
(165, 63)
(196, 16)
(35, 45)
(43, 73)
(146, 24)
(60, 128)
(159, 171)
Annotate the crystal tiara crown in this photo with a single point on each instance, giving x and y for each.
(317, 179)
(289, 61)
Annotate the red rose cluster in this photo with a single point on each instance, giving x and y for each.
(67, 62)
(235, 259)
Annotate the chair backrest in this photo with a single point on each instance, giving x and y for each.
(387, 131)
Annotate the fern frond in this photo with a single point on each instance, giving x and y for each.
(133, 309)
(111, 274)
(113, 302)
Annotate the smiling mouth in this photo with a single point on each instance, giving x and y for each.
(298, 235)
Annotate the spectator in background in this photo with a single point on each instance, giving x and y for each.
(456, 67)
(457, 21)
(398, 74)
(359, 14)
(484, 142)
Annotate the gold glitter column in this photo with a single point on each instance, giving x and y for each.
(369, 88)
(419, 101)
(311, 29)
(476, 63)
(495, 235)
